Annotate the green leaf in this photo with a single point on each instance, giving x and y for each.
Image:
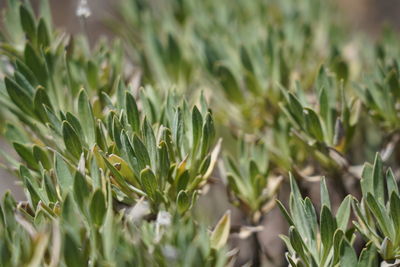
(101, 140)
(35, 64)
(380, 214)
(296, 109)
(109, 228)
(127, 189)
(229, 84)
(341, 69)
(81, 190)
(132, 112)
(204, 166)
(116, 127)
(123, 168)
(27, 22)
(348, 255)
(98, 208)
(208, 135)
(50, 188)
(183, 181)
(149, 183)
(220, 234)
(8, 206)
(25, 72)
(26, 154)
(91, 74)
(120, 90)
(328, 227)
(72, 252)
(298, 212)
(337, 241)
(391, 182)
(45, 12)
(150, 142)
(395, 213)
(76, 125)
(285, 212)
(141, 153)
(40, 102)
(64, 176)
(163, 162)
(387, 249)
(246, 61)
(70, 214)
(343, 213)
(367, 183)
(32, 189)
(313, 124)
(129, 153)
(197, 122)
(368, 257)
(43, 36)
(41, 156)
(178, 128)
(25, 84)
(324, 194)
(324, 105)
(86, 117)
(19, 96)
(71, 140)
(182, 202)
(311, 217)
(297, 242)
(15, 134)
(378, 179)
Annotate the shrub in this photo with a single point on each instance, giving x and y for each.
(113, 161)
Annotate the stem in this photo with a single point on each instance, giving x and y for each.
(257, 249)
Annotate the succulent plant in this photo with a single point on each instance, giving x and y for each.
(116, 142)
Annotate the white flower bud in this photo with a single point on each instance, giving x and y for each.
(83, 10)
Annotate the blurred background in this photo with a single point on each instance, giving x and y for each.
(367, 16)
(361, 15)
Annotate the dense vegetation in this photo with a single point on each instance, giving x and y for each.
(117, 142)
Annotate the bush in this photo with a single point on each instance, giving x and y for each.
(250, 95)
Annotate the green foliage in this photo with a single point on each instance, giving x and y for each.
(250, 187)
(104, 164)
(157, 151)
(89, 233)
(325, 244)
(112, 159)
(378, 211)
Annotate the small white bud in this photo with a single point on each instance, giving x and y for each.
(164, 218)
(83, 10)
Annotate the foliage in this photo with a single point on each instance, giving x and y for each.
(95, 157)
(113, 158)
(327, 243)
(378, 211)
